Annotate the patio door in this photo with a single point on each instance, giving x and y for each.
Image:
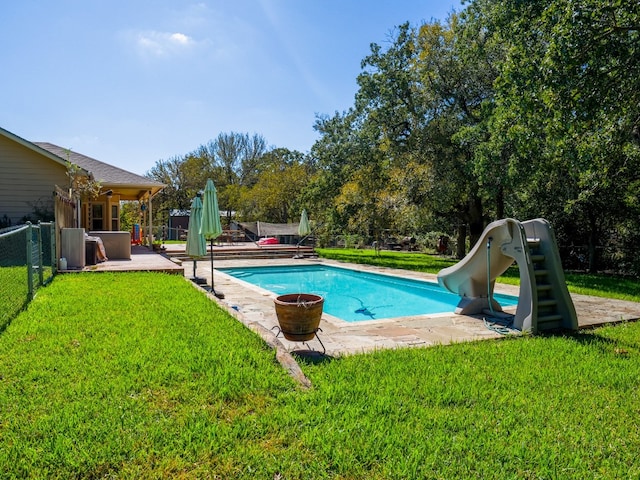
(96, 216)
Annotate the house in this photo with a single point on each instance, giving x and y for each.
(31, 171)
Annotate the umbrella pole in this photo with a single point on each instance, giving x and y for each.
(213, 290)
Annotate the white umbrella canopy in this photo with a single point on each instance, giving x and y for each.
(196, 245)
(211, 228)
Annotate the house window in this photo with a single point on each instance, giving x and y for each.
(115, 218)
(97, 216)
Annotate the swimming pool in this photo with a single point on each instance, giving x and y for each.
(353, 295)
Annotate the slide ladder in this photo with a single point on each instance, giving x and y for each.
(544, 302)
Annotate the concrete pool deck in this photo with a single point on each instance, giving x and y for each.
(254, 307)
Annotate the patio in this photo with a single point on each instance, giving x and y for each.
(142, 260)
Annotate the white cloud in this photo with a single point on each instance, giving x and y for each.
(162, 44)
(180, 38)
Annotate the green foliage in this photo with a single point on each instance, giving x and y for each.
(280, 177)
(566, 110)
(509, 108)
(42, 211)
(81, 183)
(129, 215)
(5, 221)
(253, 182)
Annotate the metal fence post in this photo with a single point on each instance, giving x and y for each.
(30, 260)
(54, 258)
(39, 252)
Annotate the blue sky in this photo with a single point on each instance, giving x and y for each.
(131, 82)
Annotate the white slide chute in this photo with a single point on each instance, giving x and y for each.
(544, 302)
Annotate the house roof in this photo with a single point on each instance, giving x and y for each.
(32, 146)
(128, 185)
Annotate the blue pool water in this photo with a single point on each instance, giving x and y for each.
(353, 295)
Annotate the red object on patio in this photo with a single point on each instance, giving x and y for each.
(135, 235)
(268, 241)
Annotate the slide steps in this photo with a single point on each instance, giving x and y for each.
(548, 317)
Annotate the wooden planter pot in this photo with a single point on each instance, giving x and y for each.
(299, 315)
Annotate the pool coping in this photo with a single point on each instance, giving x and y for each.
(254, 306)
(340, 322)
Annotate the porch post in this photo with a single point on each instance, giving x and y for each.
(150, 222)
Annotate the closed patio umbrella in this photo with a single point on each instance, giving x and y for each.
(211, 227)
(196, 245)
(304, 229)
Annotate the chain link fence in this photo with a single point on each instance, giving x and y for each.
(27, 262)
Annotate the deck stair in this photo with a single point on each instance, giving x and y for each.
(252, 251)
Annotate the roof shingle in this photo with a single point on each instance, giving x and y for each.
(102, 172)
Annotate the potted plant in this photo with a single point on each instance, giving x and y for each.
(157, 245)
(299, 315)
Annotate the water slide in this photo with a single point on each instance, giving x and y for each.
(544, 302)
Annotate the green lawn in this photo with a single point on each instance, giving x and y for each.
(14, 291)
(142, 376)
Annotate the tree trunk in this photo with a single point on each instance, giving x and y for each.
(476, 220)
(593, 243)
(461, 241)
(470, 214)
(500, 203)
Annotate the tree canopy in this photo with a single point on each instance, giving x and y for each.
(507, 109)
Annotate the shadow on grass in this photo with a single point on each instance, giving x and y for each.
(590, 337)
(10, 316)
(311, 357)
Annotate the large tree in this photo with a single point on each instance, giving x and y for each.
(281, 175)
(231, 160)
(183, 179)
(456, 84)
(568, 104)
(421, 100)
(338, 154)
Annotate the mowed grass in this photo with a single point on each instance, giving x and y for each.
(14, 293)
(421, 262)
(142, 376)
(132, 373)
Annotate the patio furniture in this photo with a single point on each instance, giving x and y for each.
(116, 244)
